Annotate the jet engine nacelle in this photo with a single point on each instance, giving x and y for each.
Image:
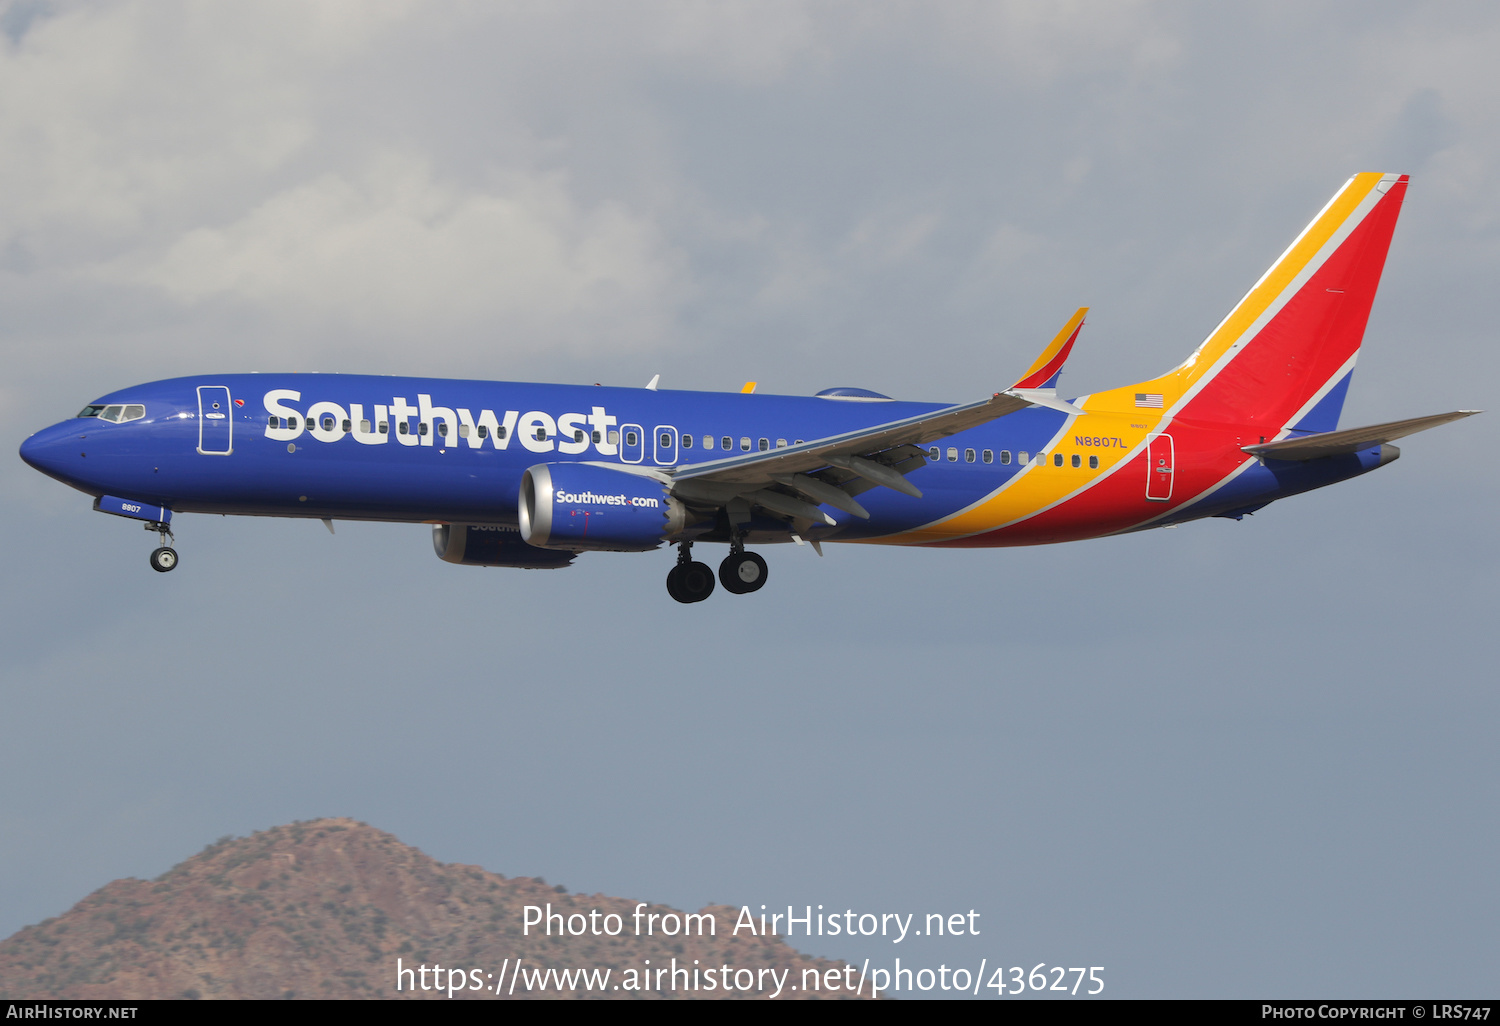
(577, 506)
(486, 545)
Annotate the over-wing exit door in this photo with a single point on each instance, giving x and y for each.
(665, 449)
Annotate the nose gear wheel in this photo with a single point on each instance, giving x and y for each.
(164, 558)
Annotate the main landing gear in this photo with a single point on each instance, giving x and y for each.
(689, 581)
(741, 573)
(165, 557)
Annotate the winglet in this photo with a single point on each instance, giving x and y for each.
(1048, 367)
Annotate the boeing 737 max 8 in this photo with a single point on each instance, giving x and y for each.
(529, 475)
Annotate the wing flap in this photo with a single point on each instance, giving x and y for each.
(1351, 440)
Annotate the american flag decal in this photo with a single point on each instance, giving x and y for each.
(1148, 400)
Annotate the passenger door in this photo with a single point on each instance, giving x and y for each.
(215, 421)
(1160, 460)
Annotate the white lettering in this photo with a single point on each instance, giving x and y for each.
(536, 424)
(569, 425)
(402, 414)
(571, 434)
(430, 415)
(364, 431)
(595, 499)
(608, 444)
(326, 421)
(284, 414)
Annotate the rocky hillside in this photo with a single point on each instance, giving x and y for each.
(325, 909)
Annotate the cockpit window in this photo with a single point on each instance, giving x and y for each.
(117, 414)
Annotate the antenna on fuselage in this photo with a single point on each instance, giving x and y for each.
(651, 385)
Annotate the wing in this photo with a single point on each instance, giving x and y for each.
(763, 467)
(1337, 443)
(795, 480)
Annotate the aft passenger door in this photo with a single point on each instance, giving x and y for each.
(1160, 460)
(215, 422)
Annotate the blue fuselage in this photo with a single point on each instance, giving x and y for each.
(442, 450)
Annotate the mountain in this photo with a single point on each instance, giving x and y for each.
(326, 908)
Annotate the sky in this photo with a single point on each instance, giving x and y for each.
(1225, 760)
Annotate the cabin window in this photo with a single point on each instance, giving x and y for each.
(726, 443)
(541, 435)
(1023, 457)
(614, 436)
(442, 428)
(328, 423)
(796, 441)
(781, 443)
(988, 456)
(1077, 460)
(274, 422)
(744, 444)
(463, 431)
(969, 456)
(402, 428)
(934, 453)
(1057, 459)
(1005, 457)
(665, 440)
(594, 437)
(500, 431)
(630, 437)
(422, 428)
(687, 441)
(483, 431)
(1093, 463)
(765, 444)
(347, 425)
(952, 454)
(385, 429)
(364, 427)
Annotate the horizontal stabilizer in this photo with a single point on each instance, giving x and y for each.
(1338, 443)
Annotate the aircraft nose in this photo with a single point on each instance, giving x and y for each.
(49, 449)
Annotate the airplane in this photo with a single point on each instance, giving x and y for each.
(531, 475)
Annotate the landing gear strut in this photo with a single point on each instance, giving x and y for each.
(689, 581)
(165, 557)
(741, 572)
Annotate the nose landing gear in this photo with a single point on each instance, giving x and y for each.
(689, 581)
(164, 558)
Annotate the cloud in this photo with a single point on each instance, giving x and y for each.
(396, 253)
